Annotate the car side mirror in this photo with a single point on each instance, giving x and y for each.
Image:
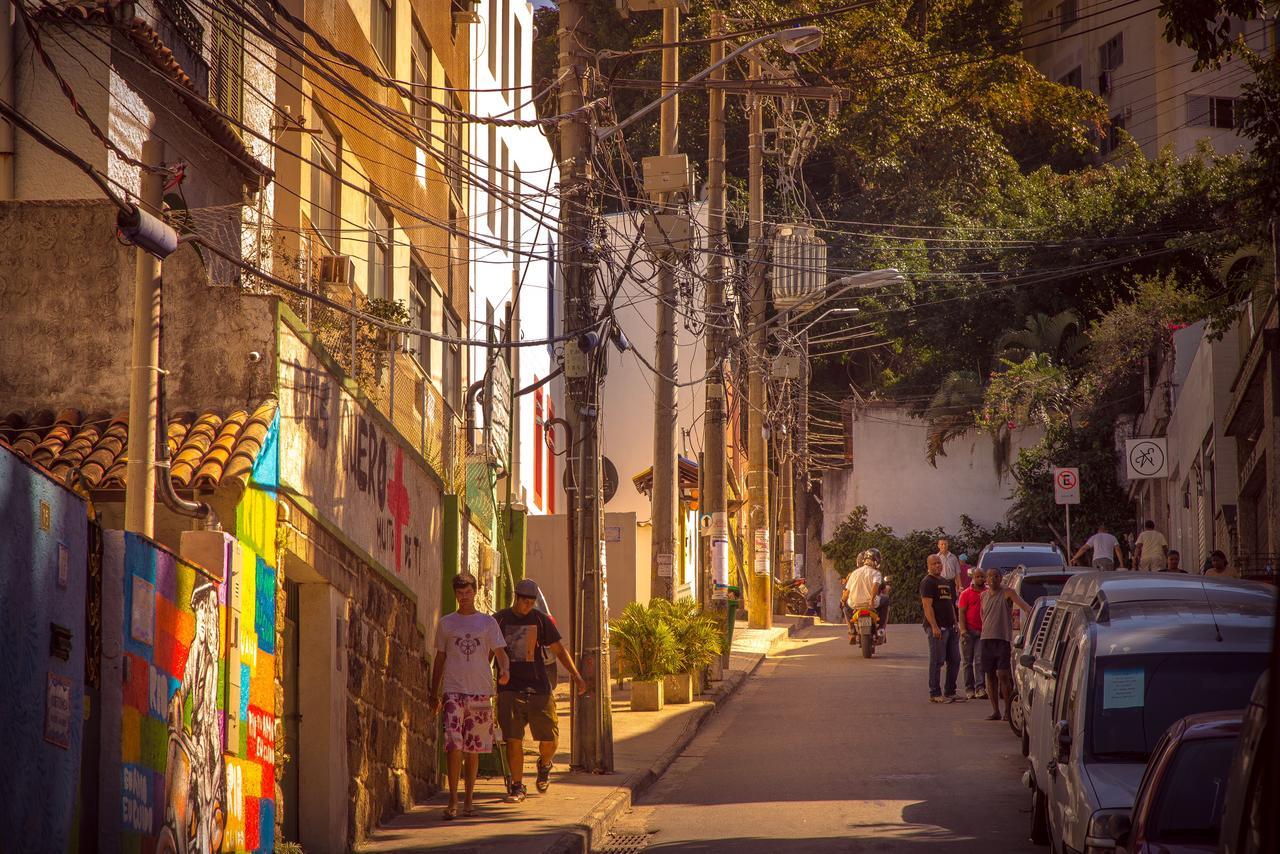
(1026, 659)
(1063, 733)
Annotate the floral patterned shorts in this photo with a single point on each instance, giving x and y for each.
(469, 723)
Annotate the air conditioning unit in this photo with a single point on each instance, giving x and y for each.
(337, 270)
(1104, 83)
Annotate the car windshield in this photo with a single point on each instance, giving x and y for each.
(1042, 585)
(1137, 697)
(1188, 807)
(1007, 560)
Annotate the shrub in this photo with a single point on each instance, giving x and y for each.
(699, 638)
(645, 643)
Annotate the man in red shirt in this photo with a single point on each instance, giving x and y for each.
(970, 607)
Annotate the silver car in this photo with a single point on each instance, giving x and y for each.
(1126, 655)
(1027, 646)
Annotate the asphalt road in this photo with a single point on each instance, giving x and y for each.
(825, 751)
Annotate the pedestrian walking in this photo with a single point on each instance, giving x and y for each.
(466, 641)
(1151, 550)
(997, 642)
(1173, 563)
(1219, 567)
(1105, 548)
(950, 563)
(528, 698)
(969, 606)
(938, 599)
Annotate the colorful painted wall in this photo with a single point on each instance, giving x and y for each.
(199, 715)
(43, 572)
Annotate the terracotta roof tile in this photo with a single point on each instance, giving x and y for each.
(206, 448)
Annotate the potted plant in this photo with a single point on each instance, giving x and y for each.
(698, 643)
(646, 647)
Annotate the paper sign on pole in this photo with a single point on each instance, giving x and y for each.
(1066, 485)
(719, 556)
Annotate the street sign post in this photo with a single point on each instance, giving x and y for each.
(1147, 458)
(1066, 491)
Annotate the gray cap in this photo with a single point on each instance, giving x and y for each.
(527, 587)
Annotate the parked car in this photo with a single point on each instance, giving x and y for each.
(1027, 645)
(1007, 556)
(1179, 804)
(1246, 809)
(1032, 582)
(1121, 652)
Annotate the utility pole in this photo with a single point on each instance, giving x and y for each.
(592, 721)
(144, 364)
(760, 598)
(665, 503)
(800, 474)
(715, 458)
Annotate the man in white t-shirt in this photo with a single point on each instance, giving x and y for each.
(1151, 550)
(950, 563)
(466, 640)
(862, 588)
(1106, 550)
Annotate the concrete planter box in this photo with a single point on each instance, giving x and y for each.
(679, 688)
(646, 696)
(699, 681)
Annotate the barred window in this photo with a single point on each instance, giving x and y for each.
(382, 28)
(326, 182)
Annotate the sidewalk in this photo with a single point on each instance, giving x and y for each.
(579, 808)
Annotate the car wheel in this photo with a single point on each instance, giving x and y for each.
(1015, 718)
(1039, 816)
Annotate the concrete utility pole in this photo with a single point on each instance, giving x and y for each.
(144, 364)
(760, 595)
(592, 722)
(665, 503)
(715, 457)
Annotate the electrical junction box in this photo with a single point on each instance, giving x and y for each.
(625, 7)
(786, 368)
(576, 363)
(667, 174)
(668, 233)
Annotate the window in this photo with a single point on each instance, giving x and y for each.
(505, 41)
(1074, 77)
(326, 182)
(492, 44)
(452, 365)
(422, 295)
(1111, 54)
(226, 64)
(1209, 111)
(380, 255)
(421, 59)
(453, 147)
(1111, 141)
(382, 29)
(517, 62)
(1189, 805)
(1068, 13)
(539, 443)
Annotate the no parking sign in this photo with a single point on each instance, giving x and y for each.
(1066, 485)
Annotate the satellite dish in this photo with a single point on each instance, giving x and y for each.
(608, 477)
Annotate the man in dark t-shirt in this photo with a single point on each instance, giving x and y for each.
(528, 698)
(938, 600)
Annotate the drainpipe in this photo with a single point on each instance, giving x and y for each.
(8, 68)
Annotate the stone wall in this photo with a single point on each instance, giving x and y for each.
(391, 738)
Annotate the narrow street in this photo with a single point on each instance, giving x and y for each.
(825, 751)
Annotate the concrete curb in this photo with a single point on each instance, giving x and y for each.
(594, 827)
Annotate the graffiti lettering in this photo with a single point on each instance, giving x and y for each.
(367, 459)
(412, 552)
(137, 813)
(262, 737)
(234, 838)
(311, 392)
(158, 691)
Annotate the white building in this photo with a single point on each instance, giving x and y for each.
(1118, 50)
(514, 214)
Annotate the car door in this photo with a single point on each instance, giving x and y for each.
(1043, 678)
(1065, 768)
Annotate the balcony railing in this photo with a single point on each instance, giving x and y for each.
(1258, 567)
(185, 22)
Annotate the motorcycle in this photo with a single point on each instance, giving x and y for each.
(793, 595)
(865, 626)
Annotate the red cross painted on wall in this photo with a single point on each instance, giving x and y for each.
(398, 503)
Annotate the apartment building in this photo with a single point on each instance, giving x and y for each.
(1118, 51)
(514, 213)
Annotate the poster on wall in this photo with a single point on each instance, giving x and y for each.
(761, 552)
(57, 711)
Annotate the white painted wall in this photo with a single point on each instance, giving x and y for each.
(891, 475)
(497, 272)
(1152, 86)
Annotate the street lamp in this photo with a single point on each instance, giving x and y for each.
(796, 40)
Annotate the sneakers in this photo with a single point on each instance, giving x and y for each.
(942, 699)
(544, 778)
(956, 699)
(970, 694)
(516, 793)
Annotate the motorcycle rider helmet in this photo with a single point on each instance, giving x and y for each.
(869, 557)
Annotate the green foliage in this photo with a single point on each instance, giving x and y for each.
(699, 638)
(1036, 390)
(645, 642)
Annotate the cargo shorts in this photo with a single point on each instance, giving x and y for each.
(538, 711)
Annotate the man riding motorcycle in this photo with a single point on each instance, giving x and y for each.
(862, 591)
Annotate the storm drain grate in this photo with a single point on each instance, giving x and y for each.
(625, 843)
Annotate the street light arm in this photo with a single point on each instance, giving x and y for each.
(605, 133)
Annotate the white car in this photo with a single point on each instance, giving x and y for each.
(1126, 656)
(1027, 646)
